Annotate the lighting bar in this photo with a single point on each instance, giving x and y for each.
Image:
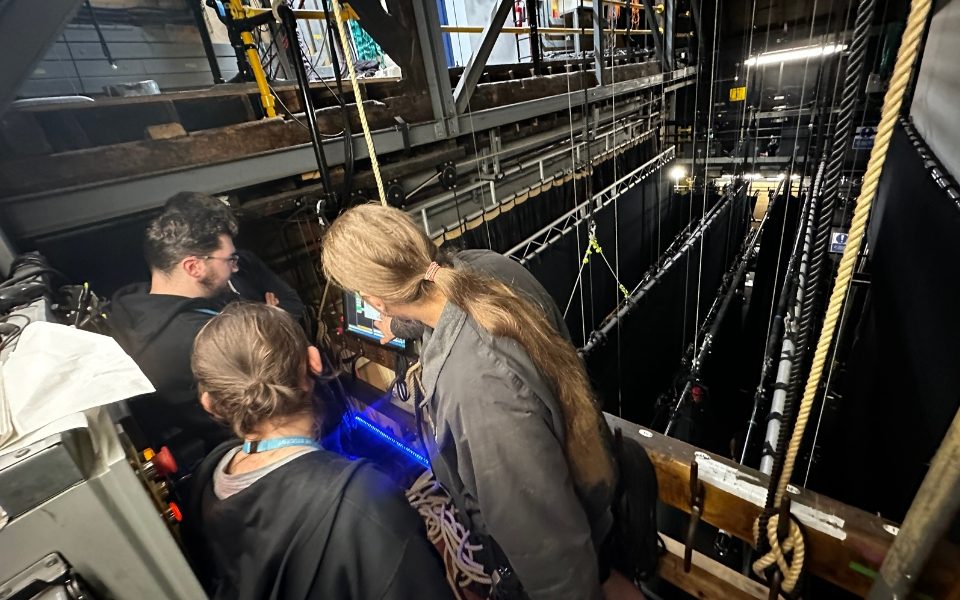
(782, 56)
(386, 437)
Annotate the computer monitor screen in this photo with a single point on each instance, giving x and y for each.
(359, 317)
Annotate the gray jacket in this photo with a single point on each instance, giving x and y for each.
(501, 433)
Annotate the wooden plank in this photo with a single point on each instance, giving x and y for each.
(707, 578)
(137, 158)
(165, 131)
(839, 537)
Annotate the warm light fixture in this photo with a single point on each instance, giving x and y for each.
(677, 173)
(781, 56)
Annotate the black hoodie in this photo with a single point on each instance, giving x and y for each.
(158, 330)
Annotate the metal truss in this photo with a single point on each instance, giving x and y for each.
(541, 169)
(571, 220)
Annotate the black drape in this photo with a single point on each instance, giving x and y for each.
(903, 385)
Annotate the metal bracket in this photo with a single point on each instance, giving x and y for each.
(395, 194)
(447, 173)
(696, 511)
(404, 131)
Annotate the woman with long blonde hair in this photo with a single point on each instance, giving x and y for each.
(276, 516)
(512, 428)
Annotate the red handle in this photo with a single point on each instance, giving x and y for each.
(164, 462)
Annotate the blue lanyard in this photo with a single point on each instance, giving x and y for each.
(252, 447)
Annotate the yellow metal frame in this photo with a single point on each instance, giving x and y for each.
(238, 11)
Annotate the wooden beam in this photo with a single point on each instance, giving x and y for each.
(23, 175)
(707, 578)
(842, 542)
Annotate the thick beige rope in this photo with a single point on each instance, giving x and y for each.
(792, 547)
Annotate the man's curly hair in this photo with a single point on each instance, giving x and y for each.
(190, 225)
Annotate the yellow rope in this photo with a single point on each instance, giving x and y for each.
(356, 95)
(892, 103)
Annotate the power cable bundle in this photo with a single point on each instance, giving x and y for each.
(433, 504)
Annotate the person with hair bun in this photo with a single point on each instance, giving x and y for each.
(277, 516)
(510, 422)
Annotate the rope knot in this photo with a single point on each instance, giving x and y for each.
(787, 555)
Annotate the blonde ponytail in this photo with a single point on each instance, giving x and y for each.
(380, 251)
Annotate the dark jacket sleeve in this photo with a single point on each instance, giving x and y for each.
(523, 485)
(256, 275)
(383, 546)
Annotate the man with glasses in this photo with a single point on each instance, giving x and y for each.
(254, 281)
(189, 249)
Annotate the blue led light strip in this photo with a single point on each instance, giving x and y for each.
(410, 452)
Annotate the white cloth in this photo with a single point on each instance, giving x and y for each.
(56, 371)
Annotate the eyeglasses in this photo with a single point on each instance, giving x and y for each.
(232, 260)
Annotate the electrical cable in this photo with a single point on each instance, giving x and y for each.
(435, 507)
(103, 40)
(616, 217)
(573, 184)
(14, 335)
(745, 143)
(289, 23)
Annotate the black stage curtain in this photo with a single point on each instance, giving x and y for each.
(634, 231)
(776, 244)
(637, 363)
(901, 391)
